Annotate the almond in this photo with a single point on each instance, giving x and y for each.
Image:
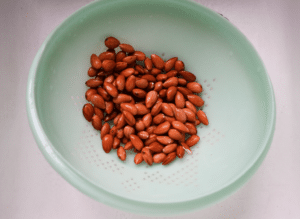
(129, 107)
(187, 75)
(89, 93)
(128, 146)
(116, 143)
(194, 87)
(179, 65)
(139, 93)
(138, 158)
(121, 122)
(111, 42)
(151, 139)
(139, 125)
(158, 158)
(150, 86)
(108, 65)
(130, 83)
(120, 133)
(166, 109)
(127, 72)
(172, 73)
(141, 83)
(170, 119)
(137, 142)
(202, 117)
(128, 130)
(180, 115)
(156, 108)
(176, 135)
(140, 56)
(110, 116)
(192, 128)
(109, 79)
(173, 81)
(120, 56)
(105, 130)
(169, 158)
(156, 147)
(143, 135)
(147, 120)
(99, 112)
(92, 72)
(129, 59)
(158, 86)
(147, 156)
(169, 148)
(170, 64)
(196, 100)
(103, 93)
(158, 119)
(190, 106)
(163, 93)
(157, 61)
(190, 116)
(124, 140)
(164, 140)
(95, 61)
(161, 77)
(107, 56)
(180, 151)
(122, 98)
(180, 126)
(192, 140)
(129, 118)
(88, 111)
(120, 66)
(93, 83)
(111, 90)
(121, 153)
(155, 71)
(107, 143)
(141, 109)
(96, 122)
(171, 92)
(184, 91)
(126, 48)
(186, 148)
(98, 101)
(182, 81)
(109, 107)
(151, 129)
(149, 78)
(151, 98)
(148, 64)
(179, 100)
(162, 128)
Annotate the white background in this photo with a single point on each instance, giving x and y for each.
(30, 188)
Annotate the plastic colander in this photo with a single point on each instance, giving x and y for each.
(237, 91)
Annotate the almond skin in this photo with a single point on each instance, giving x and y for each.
(120, 133)
(192, 140)
(151, 129)
(111, 90)
(158, 86)
(151, 139)
(138, 158)
(139, 93)
(111, 42)
(121, 153)
(89, 93)
(186, 148)
(156, 147)
(129, 107)
(96, 122)
(158, 119)
(184, 91)
(128, 146)
(103, 93)
(172, 73)
(180, 126)
(192, 128)
(170, 64)
(98, 101)
(107, 143)
(187, 75)
(147, 156)
(196, 100)
(156, 108)
(190, 106)
(122, 98)
(151, 98)
(147, 120)
(143, 135)
(127, 72)
(128, 130)
(120, 82)
(108, 65)
(171, 92)
(176, 135)
(109, 107)
(139, 125)
(116, 143)
(148, 64)
(158, 158)
(92, 72)
(141, 109)
(141, 83)
(202, 117)
(182, 82)
(173, 81)
(180, 151)
(165, 140)
(180, 115)
(163, 93)
(169, 148)
(120, 66)
(107, 56)
(195, 87)
(99, 113)
(140, 56)
(126, 48)
(137, 142)
(130, 83)
(157, 61)
(129, 118)
(95, 61)
(179, 100)
(179, 65)
(88, 111)
(105, 130)
(120, 56)
(162, 128)
(93, 83)
(121, 122)
(190, 115)
(129, 59)
(166, 109)
(169, 158)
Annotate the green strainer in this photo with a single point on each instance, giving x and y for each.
(237, 91)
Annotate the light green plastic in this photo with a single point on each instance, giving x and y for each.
(238, 94)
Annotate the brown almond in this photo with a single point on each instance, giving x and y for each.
(180, 115)
(161, 77)
(150, 86)
(140, 56)
(130, 83)
(99, 112)
(105, 130)
(126, 48)
(187, 75)
(116, 143)
(116, 119)
(196, 100)
(157, 61)
(172, 73)
(202, 117)
(137, 142)
(180, 151)
(139, 125)
(121, 122)
(169, 148)
(191, 106)
(129, 118)
(163, 93)
(186, 148)
(151, 139)
(170, 64)
(184, 91)
(169, 158)
(166, 109)
(124, 140)
(197, 122)
(151, 98)
(107, 143)
(148, 64)
(162, 128)
(192, 140)
(109, 79)
(92, 72)
(139, 69)
(98, 101)
(141, 83)
(141, 109)
(88, 111)
(143, 135)
(101, 91)
(173, 81)
(128, 145)
(158, 158)
(121, 153)
(156, 108)
(89, 93)
(147, 120)
(138, 158)
(180, 126)
(158, 86)
(164, 140)
(179, 100)
(190, 115)
(192, 128)
(182, 82)
(111, 116)
(172, 105)
(129, 60)
(111, 90)
(156, 147)
(93, 83)
(120, 66)
(111, 42)
(120, 133)
(139, 93)
(155, 71)
(176, 135)
(170, 119)
(195, 87)
(127, 72)
(95, 61)
(179, 65)
(151, 129)
(109, 107)
(129, 107)
(147, 156)
(108, 65)
(120, 56)
(149, 78)
(158, 119)
(122, 98)
(128, 130)
(107, 56)
(171, 92)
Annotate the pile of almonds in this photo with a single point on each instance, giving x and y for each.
(152, 103)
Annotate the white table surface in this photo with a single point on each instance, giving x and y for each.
(30, 188)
